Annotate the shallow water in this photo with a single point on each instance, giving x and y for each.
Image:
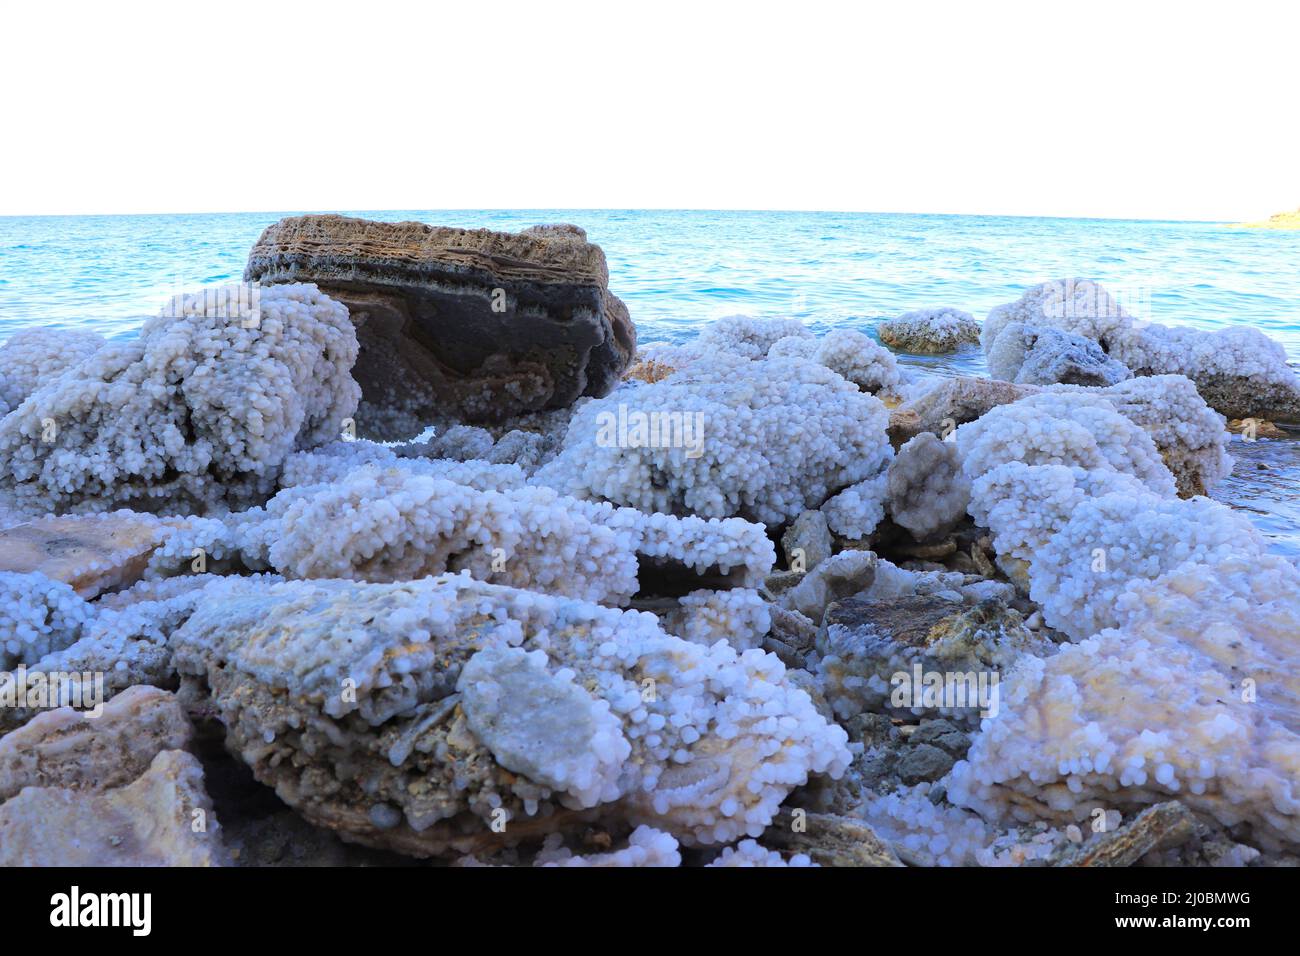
(678, 270)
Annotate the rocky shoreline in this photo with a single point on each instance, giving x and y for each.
(405, 551)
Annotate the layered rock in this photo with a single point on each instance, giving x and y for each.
(446, 714)
(477, 324)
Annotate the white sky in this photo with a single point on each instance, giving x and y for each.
(1128, 109)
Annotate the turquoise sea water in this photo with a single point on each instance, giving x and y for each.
(678, 270)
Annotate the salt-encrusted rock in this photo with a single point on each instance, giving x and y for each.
(738, 616)
(1189, 434)
(847, 573)
(1239, 371)
(65, 748)
(829, 839)
(201, 409)
(955, 402)
(808, 537)
(927, 492)
(1029, 355)
(1160, 827)
(97, 650)
(483, 324)
(854, 513)
(646, 846)
(31, 357)
(407, 521)
(38, 615)
(358, 703)
(879, 655)
(929, 331)
(92, 553)
(163, 818)
(857, 357)
(742, 442)
(749, 337)
(752, 853)
(1098, 724)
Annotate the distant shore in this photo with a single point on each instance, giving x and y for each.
(1281, 220)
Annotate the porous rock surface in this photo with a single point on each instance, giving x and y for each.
(480, 324)
(406, 715)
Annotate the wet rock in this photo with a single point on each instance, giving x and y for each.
(68, 749)
(809, 536)
(829, 839)
(163, 818)
(483, 324)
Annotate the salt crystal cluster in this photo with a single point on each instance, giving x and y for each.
(929, 331)
(32, 357)
(746, 336)
(38, 615)
(1239, 371)
(751, 853)
(1029, 355)
(1192, 695)
(406, 521)
(738, 616)
(415, 699)
(760, 454)
(201, 408)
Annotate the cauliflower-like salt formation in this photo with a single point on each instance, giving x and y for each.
(929, 331)
(38, 616)
(363, 705)
(391, 525)
(724, 437)
(334, 461)
(927, 491)
(745, 336)
(738, 616)
(855, 511)
(1190, 435)
(1118, 539)
(1029, 355)
(859, 359)
(1193, 695)
(1239, 371)
(405, 521)
(752, 853)
(645, 847)
(32, 357)
(1079, 306)
(201, 408)
(1074, 428)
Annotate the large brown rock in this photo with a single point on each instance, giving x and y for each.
(471, 324)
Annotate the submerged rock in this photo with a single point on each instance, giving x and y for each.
(484, 325)
(930, 331)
